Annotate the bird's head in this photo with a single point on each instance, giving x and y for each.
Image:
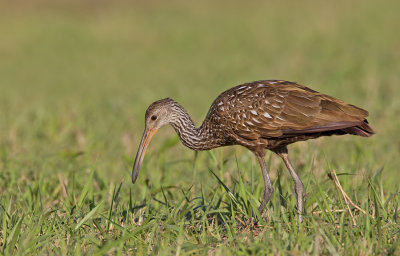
(158, 114)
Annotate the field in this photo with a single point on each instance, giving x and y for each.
(75, 81)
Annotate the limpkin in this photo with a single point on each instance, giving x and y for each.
(268, 114)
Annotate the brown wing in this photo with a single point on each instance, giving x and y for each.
(275, 108)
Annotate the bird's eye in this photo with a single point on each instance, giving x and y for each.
(153, 118)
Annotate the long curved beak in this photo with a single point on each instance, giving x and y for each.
(144, 143)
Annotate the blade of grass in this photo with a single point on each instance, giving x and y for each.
(12, 239)
(85, 189)
(88, 216)
(231, 195)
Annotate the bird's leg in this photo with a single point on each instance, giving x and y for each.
(268, 190)
(298, 185)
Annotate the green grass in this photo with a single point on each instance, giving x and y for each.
(76, 79)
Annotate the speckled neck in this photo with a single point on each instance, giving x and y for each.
(192, 137)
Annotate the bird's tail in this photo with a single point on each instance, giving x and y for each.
(363, 129)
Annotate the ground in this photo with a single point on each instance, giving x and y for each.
(76, 79)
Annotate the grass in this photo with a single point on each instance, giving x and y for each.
(75, 80)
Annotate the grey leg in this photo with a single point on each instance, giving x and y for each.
(268, 190)
(298, 185)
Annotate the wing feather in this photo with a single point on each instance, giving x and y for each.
(275, 108)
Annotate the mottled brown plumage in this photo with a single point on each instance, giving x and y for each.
(261, 115)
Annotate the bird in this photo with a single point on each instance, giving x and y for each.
(261, 115)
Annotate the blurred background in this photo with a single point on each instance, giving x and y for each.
(77, 76)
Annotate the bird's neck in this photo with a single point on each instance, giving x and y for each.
(194, 138)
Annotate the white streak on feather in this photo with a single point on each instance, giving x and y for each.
(267, 115)
(253, 112)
